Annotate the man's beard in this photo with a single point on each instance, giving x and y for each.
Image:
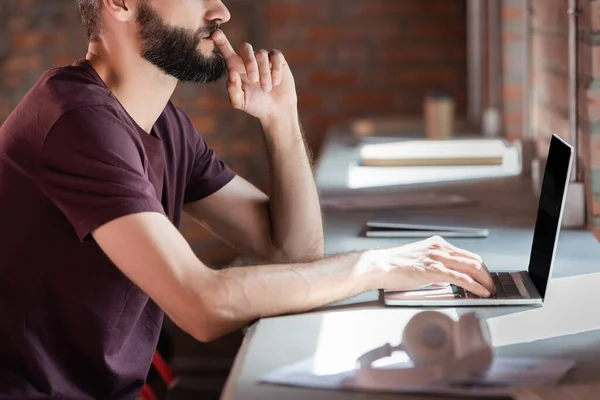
(175, 51)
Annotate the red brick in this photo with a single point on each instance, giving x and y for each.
(429, 78)
(243, 147)
(367, 100)
(513, 132)
(511, 36)
(295, 11)
(594, 105)
(585, 64)
(12, 79)
(557, 86)
(34, 39)
(594, 152)
(442, 7)
(595, 15)
(301, 56)
(412, 54)
(334, 78)
(60, 59)
(595, 56)
(316, 126)
(287, 32)
(353, 54)
(596, 212)
(204, 125)
(437, 30)
(212, 103)
(512, 12)
(5, 110)
(550, 13)
(370, 9)
(512, 92)
(513, 118)
(382, 31)
(550, 50)
(309, 101)
(325, 33)
(23, 62)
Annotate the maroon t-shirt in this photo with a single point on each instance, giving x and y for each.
(71, 159)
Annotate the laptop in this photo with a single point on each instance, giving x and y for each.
(521, 287)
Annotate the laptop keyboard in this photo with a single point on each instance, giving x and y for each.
(505, 288)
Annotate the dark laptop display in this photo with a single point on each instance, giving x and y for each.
(548, 217)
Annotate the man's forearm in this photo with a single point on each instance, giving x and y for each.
(296, 223)
(245, 294)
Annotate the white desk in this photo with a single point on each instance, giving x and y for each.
(567, 325)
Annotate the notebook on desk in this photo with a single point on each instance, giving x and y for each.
(526, 286)
(410, 153)
(395, 229)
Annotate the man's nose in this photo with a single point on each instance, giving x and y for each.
(218, 12)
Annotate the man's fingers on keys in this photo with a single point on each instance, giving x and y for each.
(262, 59)
(461, 279)
(471, 267)
(223, 44)
(465, 265)
(247, 54)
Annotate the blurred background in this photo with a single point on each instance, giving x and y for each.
(507, 66)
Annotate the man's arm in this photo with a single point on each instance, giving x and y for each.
(286, 226)
(207, 304)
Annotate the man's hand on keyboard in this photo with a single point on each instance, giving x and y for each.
(432, 261)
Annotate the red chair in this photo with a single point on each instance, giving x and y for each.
(165, 373)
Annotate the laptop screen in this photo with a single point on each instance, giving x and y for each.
(545, 235)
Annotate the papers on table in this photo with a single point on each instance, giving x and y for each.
(431, 161)
(434, 153)
(504, 374)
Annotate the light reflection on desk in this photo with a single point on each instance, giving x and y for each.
(571, 307)
(345, 336)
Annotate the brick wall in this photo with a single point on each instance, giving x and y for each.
(592, 154)
(350, 58)
(550, 97)
(549, 86)
(512, 67)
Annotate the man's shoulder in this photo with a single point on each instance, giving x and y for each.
(73, 86)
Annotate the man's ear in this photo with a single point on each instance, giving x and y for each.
(121, 10)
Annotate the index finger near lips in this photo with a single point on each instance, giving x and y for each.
(223, 44)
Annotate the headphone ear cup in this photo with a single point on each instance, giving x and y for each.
(472, 334)
(428, 337)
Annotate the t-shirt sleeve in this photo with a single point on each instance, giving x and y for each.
(209, 173)
(91, 168)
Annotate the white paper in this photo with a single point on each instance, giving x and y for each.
(424, 149)
(505, 373)
(364, 177)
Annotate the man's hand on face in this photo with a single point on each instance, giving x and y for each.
(260, 82)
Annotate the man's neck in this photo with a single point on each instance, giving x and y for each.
(141, 88)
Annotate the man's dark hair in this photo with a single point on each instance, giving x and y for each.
(90, 16)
